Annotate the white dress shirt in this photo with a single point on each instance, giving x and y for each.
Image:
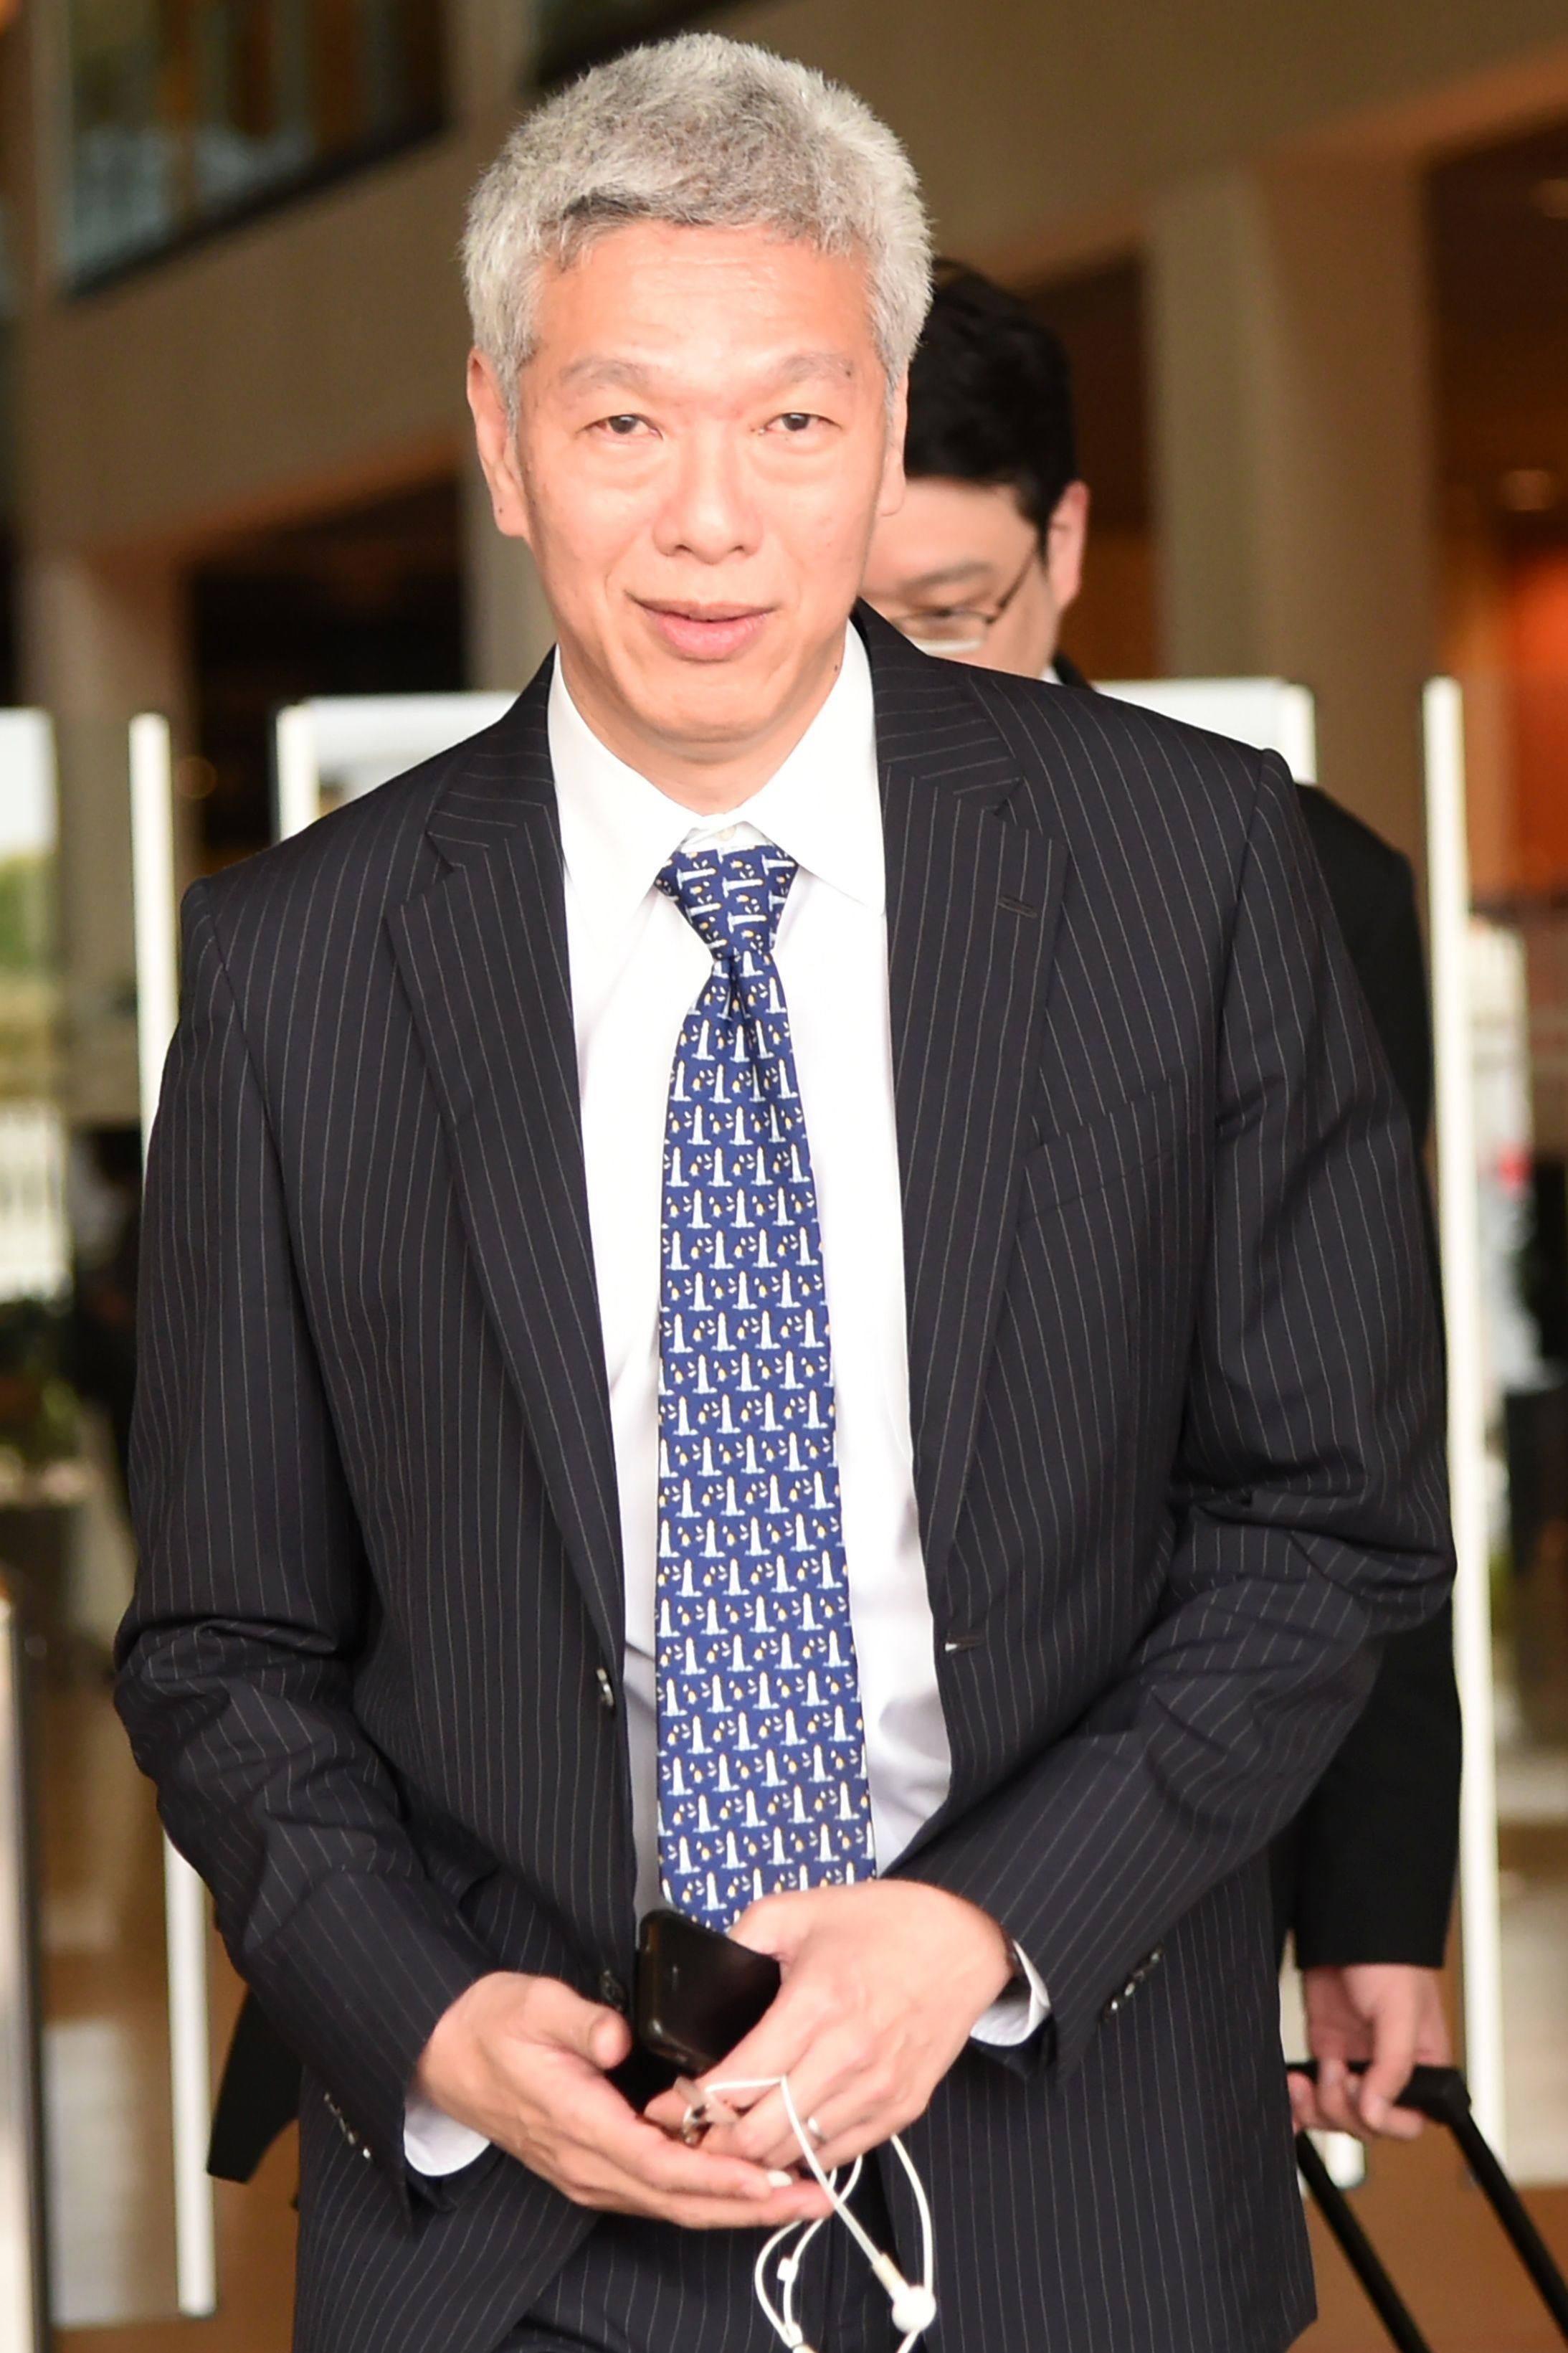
(637, 968)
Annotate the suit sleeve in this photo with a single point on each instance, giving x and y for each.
(1375, 1848)
(236, 1657)
(1307, 1504)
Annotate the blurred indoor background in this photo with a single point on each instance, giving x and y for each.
(1310, 263)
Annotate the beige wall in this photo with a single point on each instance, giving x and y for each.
(1294, 452)
(323, 345)
(1039, 126)
(316, 350)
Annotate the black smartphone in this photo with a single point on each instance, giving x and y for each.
(698, 1993)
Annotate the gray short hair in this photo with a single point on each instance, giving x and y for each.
(702, 132)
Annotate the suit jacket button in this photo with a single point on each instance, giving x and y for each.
(612, 1992)
(607, 1690)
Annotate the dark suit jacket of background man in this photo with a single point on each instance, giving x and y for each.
(1176, 1451)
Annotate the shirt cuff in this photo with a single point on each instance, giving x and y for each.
(434, 2143)
(1017, 2014)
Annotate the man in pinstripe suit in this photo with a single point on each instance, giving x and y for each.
(1127, 1453)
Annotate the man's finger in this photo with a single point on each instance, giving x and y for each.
(799, 2205)
(624, 2141)
(639, 2170)
(775, 2046)
(1336, 2105)
(595, 2137)
(1304, 2112)
(775, 1925)
(1393, 2056)
(555, 2014)
(823, 2090)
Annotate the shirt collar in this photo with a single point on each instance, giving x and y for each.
(822, 806)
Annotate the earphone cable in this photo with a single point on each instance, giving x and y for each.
(782, 2318)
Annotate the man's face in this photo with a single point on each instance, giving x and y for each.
(704, 443)
(962, 569)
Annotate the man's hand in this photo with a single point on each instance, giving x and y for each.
(523, 2058)
(883, 1984)
(1387, 2012)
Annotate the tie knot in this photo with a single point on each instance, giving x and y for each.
(732, 898)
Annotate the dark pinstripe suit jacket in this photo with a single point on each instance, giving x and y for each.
(1176, 1453)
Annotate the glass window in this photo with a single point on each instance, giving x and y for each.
(181, 114)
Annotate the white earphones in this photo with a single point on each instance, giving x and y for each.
(913, 2303)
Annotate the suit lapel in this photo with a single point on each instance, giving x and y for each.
(483, 958)
(973, 900)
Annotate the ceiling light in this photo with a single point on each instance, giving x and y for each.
(1529, 489)
(1550, 198)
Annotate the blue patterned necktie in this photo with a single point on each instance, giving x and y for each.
(762, 1752)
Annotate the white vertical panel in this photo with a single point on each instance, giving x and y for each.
(190, 2083)
(1297, 738)
(152, 903)
(21, 2231)
(1448, 885)
(34, 1238)
(35, 1261)
(297, 783)
(184, 1898)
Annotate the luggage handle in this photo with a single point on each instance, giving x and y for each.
(1439, 2093)
(1442, 2094)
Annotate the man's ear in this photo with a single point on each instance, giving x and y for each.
(890, 496)
(1065, 539)
(496, 445)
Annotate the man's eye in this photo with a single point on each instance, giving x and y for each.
(623, 428)
(797, 420)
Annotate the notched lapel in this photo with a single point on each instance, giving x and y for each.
(482, 956)
(973, 901)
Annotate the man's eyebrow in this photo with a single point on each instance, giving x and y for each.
(802, 364)
(634, 375)
(597, 367)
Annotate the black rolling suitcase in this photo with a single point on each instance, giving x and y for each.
(1440, 2094)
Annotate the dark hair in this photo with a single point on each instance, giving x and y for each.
(991, 395)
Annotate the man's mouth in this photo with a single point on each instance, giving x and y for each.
(705, 632)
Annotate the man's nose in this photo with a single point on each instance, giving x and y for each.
(709, 513)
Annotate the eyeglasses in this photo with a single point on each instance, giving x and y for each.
(957, 628)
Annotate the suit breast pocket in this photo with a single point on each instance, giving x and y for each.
(1106, 1150)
